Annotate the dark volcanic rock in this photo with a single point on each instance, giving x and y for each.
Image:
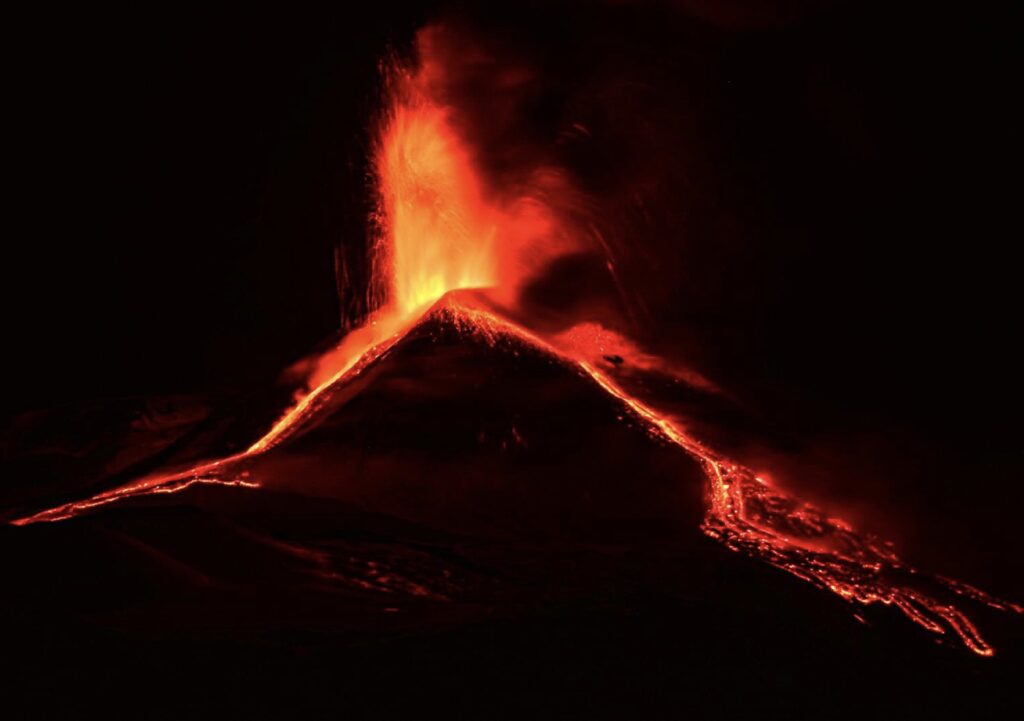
(469, 527)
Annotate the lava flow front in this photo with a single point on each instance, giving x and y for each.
(443, 231)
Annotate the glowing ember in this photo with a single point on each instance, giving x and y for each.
(442, 230)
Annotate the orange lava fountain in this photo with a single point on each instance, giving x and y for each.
(441, 230)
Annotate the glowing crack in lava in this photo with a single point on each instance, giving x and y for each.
(442, 230)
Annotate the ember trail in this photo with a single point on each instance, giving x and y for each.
(452, 248)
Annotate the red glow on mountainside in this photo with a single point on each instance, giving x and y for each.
(442, 229)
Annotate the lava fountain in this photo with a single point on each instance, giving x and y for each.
(441, 228)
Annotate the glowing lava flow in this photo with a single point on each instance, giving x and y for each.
(748, 515)
(744, 512)
(442, 232)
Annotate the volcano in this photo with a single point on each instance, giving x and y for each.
(487, 496)
(446, 472)
(466, 486)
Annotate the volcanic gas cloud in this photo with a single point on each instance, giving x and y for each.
(442, 227)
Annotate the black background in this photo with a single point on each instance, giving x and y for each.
(845, 262)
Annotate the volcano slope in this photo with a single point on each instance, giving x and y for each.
(462, 522)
